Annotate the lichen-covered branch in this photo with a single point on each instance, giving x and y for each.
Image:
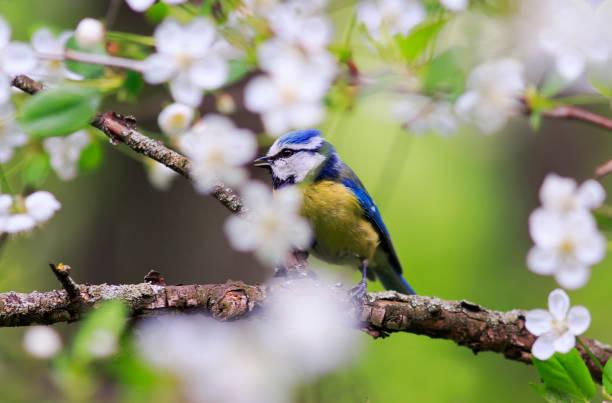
(122, 129)
(463, 322)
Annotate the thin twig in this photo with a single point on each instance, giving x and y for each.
(91, 58)
(604, 169)
(120, 128)
(576, 113)
(62, 273)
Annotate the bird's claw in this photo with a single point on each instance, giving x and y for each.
(358, 293)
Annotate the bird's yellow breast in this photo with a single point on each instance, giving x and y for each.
(342, 233)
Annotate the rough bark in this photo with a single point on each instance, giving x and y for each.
(463, 322)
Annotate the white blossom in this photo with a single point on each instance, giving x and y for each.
(291, 312)
(45, 43)
(187, 58)
(89, 33)
(421, 114)
(65, 153)
(558, 327)
(291, 94)
(11, 135)
(19, 214)
(15, 58)
(563, 194)
(41, 341)
(289, 21)
(143, 5)
(218, 150)
(387, 18)
(455, 5)
(492, 96)
(566, 246)
(574, 35)
(160, 176)
(272, 227)
(175, 119)
(306, 330)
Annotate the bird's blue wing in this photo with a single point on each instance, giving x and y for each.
(370, 211)
(390, 275)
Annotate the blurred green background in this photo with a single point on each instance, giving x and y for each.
(457, 209)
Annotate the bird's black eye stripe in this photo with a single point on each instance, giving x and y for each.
(286, 152)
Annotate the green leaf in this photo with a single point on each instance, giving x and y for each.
(420, 38)
(238, 69)
(86, 70)
(109, 319)
(446, 74)
(36, 171)
(567, 374)
(59, 112)
(603, 216)
(157, 12)
(551, 395)
(91, 157)
(607, 377)
(535, 120)
(131, 87)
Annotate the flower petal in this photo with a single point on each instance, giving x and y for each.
(5, 32)
(41, 205)
(556, 191)
(209, 72)
(184, 91)
(6, 201)
(558, 304)
(175, 118)
(543, 348)
(158, 68)
(256, 195)
(140, 5)
(570, 64)
(240, 233)
(43, 41)
(261, 94)
(565, 342)
(591, 194)
(19, 223)
(18, 58)
(546, 228)
(592, 248)
(573, 277)
(538, 321)
(169, 37)
(542, 261)
(199, 35)
(578, 320)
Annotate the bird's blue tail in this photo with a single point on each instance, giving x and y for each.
(392, 280)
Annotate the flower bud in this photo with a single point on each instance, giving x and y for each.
(89, 32)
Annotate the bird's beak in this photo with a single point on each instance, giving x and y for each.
(263, 162)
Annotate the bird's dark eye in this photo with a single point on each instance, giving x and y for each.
(286, 152)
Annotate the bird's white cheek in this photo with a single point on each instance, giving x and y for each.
(304, 163)
(282, 170)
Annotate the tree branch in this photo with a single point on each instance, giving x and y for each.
(122, 129)
(463, 322)
(576, 113)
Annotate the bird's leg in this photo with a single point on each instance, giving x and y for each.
(358, 292)
(296, 265)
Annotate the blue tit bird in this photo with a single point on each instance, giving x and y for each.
(347, 225)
